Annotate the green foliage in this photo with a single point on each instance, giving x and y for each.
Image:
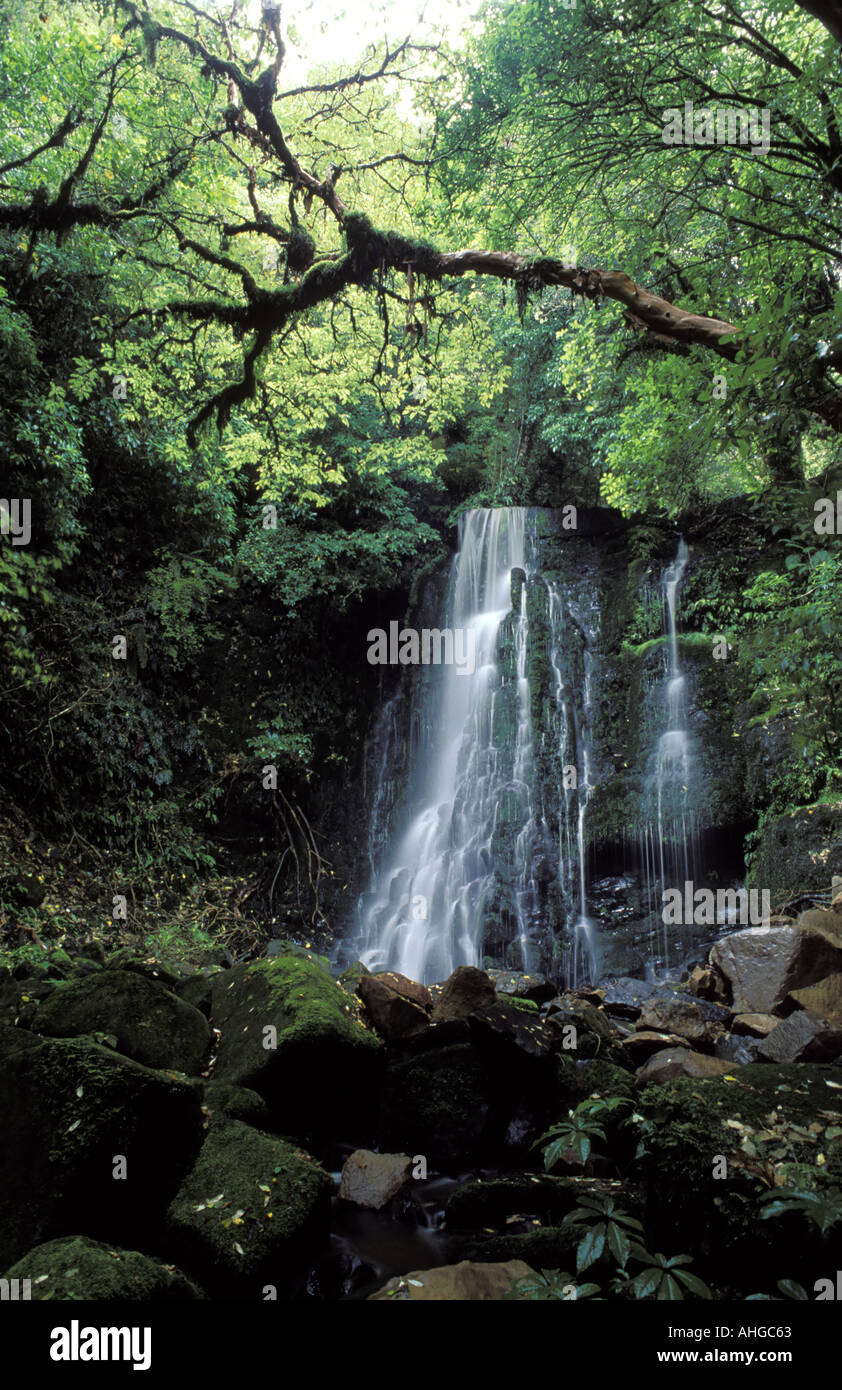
(664, 1277)
(609, 1228)
(577, 1132)
(820, 1209)
(549, 1285)
(179, 594)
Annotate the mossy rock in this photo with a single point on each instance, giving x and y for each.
(251, 1212)
(76, 1267)
(547, 1247)
(439, 1104)
(60, 963)
(235, 1103)
(799, 850)
(71, 1110)
(716, 1148)
(150, 967)
(198, 991)
(149, 1023)
(321, 1077)
(19, 999)
(488, 1202)
(581, 1079)
(527, 1006)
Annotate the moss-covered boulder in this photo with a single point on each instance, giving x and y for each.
(579, 1078)
(19, 999)
(289, 1032)
(716, 1149)
(197, 990)
(235, 1103)
(250, 1213)
(799, 850)
(91, 1142)
(148, 1023)
(440, 1103)
(75, 1267)
(140, 1018)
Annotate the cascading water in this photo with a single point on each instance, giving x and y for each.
(423, 913)
(471, 865)
(668, 841)
(572, 738)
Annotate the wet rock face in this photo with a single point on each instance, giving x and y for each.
(391, 1008)
(466, 990)
(762, 966)
(801, 1038)
(677, 1061)
(686, 1017)
(511, 982)
(149, 1023)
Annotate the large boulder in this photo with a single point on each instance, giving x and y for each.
(754, 1025)
(460, 1283)
(438, 1103)
(503, 1028)
(465, 991)
(826, 923)
(801, 1038)
(642, 1045)
(290, 1033)
(763, 965)
(392, 1012)
(625, 997)
(686, 1017)
(250, 1212)
(406, 988)
(536, 988)
(149, 1023)
(678, 1061)
(75, 1267)
(371, 1179)
(823, 999)
(91, 1142)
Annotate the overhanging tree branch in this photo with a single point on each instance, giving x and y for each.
(371, 251)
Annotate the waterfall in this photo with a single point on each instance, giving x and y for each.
(473, 866)
(668, 841)
(470, 770)
(580, 955)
